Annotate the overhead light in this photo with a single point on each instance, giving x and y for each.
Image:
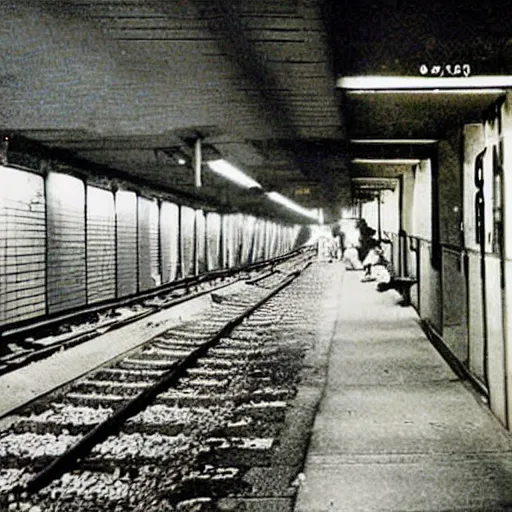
(231, 173)
(398, 161)
(393, 141)
(426, 91)
(471, 84)
(284, 201)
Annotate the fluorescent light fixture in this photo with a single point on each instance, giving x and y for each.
(479, 83)
(427, 91)
(284, 201)
(231, 173)
(393, 141)
(398, 161)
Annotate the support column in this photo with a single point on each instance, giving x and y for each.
(198, 162)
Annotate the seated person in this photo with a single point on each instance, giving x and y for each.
(373, 258)
(351, 259)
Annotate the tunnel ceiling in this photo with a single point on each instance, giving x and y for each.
(127, 83)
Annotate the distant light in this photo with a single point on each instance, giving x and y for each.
(393, 141)
(404, 161)
(231, 173)
(284, 201)
(181, 161)
(487, 84)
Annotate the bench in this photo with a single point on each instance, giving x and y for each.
(403, 285)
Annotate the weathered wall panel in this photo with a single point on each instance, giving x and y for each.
(22, 245)
(248, 227)
(495, 340)
(126, 238)
(259, 242)
(269, 239)
(66, 242)
(148, 244)
(101, 245)
(213, 228)
(450, 191)
(187, 233)
(476, 317)
(200, 241)
(169, 233)
(228, 249)
(454, 304)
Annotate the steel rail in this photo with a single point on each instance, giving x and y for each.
(15, 361)
(113, 424)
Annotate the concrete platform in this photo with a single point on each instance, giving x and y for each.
(396, 429)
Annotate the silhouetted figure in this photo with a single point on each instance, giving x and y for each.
(366, 240)
(337, 237)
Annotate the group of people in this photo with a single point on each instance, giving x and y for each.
(366, 254)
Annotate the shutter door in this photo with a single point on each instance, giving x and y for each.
(126, 220)
(187, 241)
(213, 223)
(66, 242)
(259, 242)
(281, 239)
(248, 224)
(228, 239)
(169, 231)
(269, 230)
(237, 238)
(149, 257)
(200, 241)
(22, 245)
(101, 245)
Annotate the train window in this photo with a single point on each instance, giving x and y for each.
(497, 232)
(479, 198)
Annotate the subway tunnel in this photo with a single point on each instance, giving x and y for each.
(190, 193)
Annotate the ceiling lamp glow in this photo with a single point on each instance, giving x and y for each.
(231, 173)
(284, 201)
(398, 161)
(392, 83)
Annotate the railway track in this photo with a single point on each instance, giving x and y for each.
(174, 425)
(24, 345)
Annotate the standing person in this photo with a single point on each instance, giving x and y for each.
(366, 240)
(337, 246)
